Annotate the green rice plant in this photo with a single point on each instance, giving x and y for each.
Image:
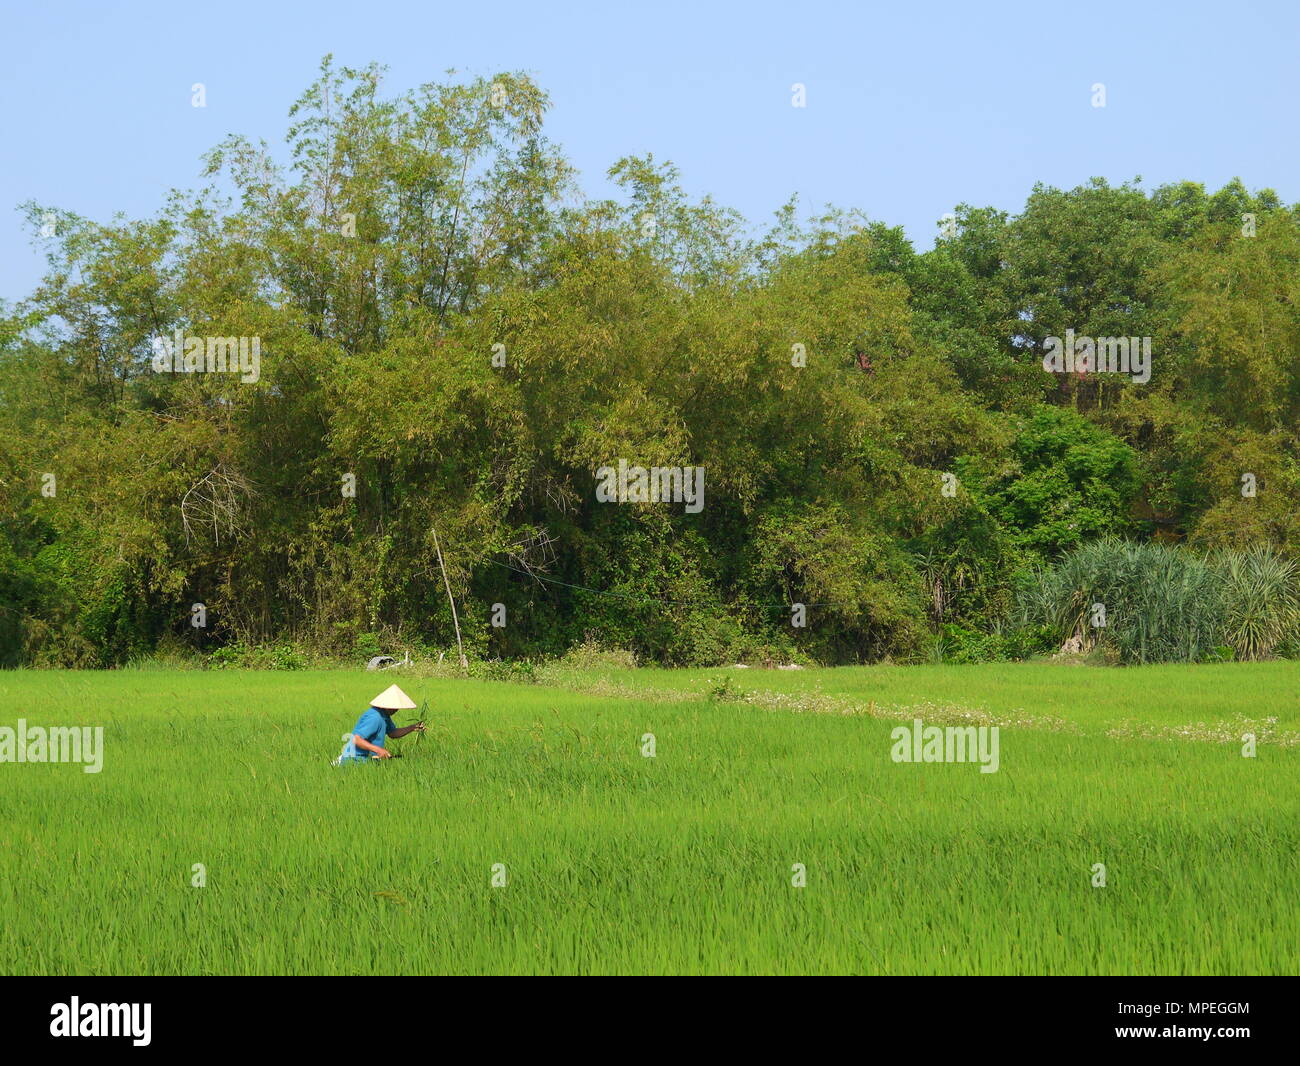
(218, 839)
(1261, 599)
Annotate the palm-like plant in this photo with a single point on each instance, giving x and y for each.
(1162, 604)
(1261, 599)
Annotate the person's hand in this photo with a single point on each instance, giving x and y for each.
(418, 727)
(383, 753)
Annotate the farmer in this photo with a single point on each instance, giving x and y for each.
(367, 739)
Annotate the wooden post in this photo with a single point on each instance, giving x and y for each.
(464, 663)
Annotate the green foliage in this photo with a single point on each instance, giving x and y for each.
(1160, 603)
(824, 374)
(519, 671)
(1164, 604)
(367, 646)
(239, 655)
(1261, 600)
(1069, 482)
(591, 654)
(957, 644)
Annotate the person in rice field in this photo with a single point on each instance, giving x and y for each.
(376, 723)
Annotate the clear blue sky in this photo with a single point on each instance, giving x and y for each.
(912, 107)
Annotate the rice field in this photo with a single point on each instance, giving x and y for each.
(771, 832)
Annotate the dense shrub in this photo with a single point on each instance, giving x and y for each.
(958, 644)
(1148, 602)
(1157, 603)
(1261, 599)
(281, 656)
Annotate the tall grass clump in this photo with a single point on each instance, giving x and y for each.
(1161, 603)
(1260, 599)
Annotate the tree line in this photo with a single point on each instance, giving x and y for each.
(451, 339)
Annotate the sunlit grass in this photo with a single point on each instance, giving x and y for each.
(618, 863)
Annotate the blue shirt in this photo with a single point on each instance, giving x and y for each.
(372, 726)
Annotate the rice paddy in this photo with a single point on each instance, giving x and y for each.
(714, 821)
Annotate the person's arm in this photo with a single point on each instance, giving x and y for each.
(365, 745)
(417, 728)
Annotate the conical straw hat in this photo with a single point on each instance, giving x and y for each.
(393, 699)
